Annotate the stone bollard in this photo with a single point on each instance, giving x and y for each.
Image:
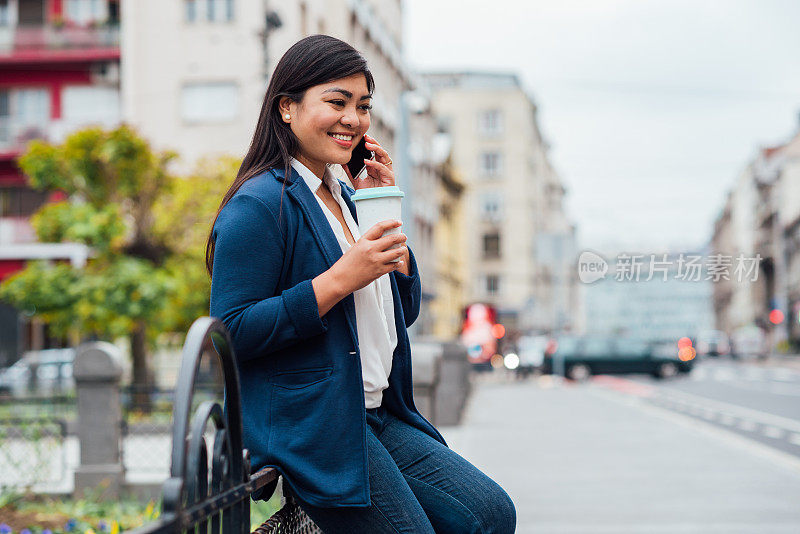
(97, 374)
(426, 356)
(453, 386)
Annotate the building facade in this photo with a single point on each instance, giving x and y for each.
(59, 70)
(450, 300)
(761, 219)
(520, 245)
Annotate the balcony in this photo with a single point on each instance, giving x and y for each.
(16, 133)
(25, 44)
(16, 231)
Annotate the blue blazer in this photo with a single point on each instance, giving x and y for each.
(302, 388)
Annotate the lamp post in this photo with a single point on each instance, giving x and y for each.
(271, 22)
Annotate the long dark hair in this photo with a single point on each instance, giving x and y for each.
(311, 61)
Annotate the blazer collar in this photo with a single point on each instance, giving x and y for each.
(348, 191)
(297, 189)
(294, 178)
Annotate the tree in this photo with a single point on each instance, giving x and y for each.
(182, 221)
(146, 227)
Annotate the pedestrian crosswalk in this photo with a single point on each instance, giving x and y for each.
(747, 373)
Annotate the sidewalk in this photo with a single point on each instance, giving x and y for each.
(785, 360)
(584, 459)
(791, 361)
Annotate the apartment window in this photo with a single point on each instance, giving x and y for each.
(30, 12)
(5, 116)
(210, 102)
(190, 7)
(20, 201)
(490, 122)
(210, 10)
(113, 13)
(85, 11)
(491, 245)
(24, 114)
(219, 10)
(4, 16)
(492, 207)
(490, 163)
(90, 104)
(492, 284)
(31, 106)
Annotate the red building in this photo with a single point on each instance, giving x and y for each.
(59, 70)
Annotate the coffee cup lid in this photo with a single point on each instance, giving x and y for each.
(377, 192)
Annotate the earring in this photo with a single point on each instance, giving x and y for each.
(287, 116)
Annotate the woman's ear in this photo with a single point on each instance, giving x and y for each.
(285, 107)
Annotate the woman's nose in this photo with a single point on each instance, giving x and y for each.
(350, 119)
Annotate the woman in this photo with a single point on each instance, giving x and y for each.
(318, 316)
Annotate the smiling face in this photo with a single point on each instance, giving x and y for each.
(329, 121)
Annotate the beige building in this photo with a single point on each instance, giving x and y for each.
(421, 212)
(194, 72)
(738, 231)
(520, 244)
(450, 235)
(761, 219)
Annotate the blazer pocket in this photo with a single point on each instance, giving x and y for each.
(301, 378)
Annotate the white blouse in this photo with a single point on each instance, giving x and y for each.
(377, 333)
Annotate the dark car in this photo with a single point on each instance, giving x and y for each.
(580, 357)
(39, 372)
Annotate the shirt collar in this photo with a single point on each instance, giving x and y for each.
(313, 182)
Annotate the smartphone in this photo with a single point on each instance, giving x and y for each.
(356, 166)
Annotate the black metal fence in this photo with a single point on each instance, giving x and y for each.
(210, 483)
(32, 452)
(36, 406)
(33, 436)
(146, 434)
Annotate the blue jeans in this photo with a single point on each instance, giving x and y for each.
(418, 485)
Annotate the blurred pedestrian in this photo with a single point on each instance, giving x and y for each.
(318, 315)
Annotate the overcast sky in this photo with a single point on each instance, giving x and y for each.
(651, 108)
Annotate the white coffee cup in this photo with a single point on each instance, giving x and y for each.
(376, 204)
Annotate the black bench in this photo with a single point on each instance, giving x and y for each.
(192, 500)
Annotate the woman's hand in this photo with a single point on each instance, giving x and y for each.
(379, 170)
(368, 259)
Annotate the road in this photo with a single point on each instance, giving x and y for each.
(635, 455)
(759, 402)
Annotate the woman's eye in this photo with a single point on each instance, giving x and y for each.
(366, 107)
(337, 102)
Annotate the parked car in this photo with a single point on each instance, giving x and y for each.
(712, 343)
(562, 351)
(581, 357)
(39, 372)
(530, 350)
(748, 342)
